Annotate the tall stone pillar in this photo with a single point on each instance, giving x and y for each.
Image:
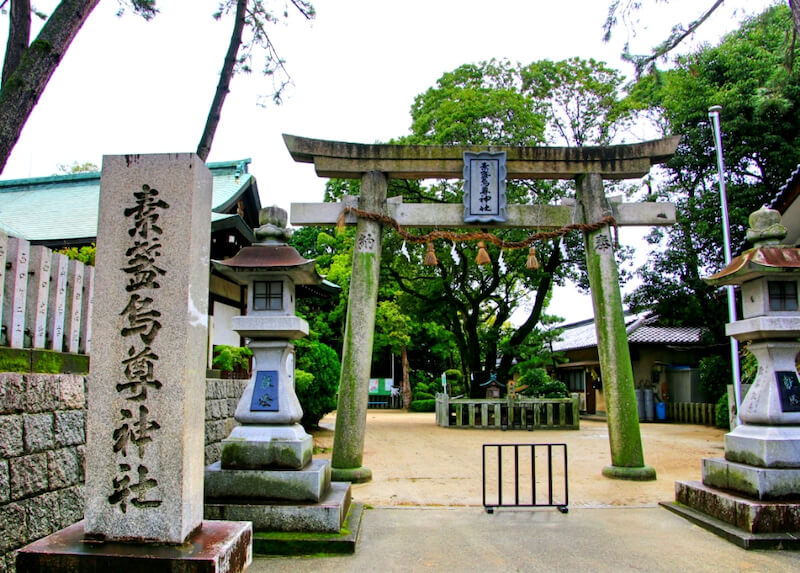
(627, 457)
(351, 412)
(146, 389)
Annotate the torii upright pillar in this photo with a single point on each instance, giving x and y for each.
(375, 164)
(627, 457)
(351, 412)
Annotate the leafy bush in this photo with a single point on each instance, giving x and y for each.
(422, 406)
(540, 385)
(423, 396)
(455, 382)
(228, 358)
(715, 375)
(422, 387)
(84, 254)
(318, 395)
(721, 415)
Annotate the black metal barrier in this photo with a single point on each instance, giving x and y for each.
(523, 491)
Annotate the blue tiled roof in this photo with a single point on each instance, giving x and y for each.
(63, 207)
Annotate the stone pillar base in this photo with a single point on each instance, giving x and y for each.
(217, 547)
(308, 484)
(266, 447)
(764, 446)
(641, 473)
(353, 475)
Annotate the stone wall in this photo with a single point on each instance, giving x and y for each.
(222, 396)
(42, 437)
(41, 457)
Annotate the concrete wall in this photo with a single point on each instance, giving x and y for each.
(42, 437)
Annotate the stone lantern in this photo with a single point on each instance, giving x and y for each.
(753, 491)
(268, 409)
(267, 460)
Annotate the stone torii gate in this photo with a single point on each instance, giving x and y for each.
(375, 164)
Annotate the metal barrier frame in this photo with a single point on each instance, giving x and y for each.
(562, 507)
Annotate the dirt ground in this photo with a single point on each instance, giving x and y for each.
(416, 462)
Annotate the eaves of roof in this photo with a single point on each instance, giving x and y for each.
(788, 192)
(64, 207)
(641, 330)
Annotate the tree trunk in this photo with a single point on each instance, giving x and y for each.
(406, 385)
(25, 84)
(527, 327)
(19, 34)
(795, 6)
(223, 86)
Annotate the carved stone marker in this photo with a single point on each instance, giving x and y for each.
(146, 392)
(144, 479)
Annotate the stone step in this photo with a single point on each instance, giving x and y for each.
(752, 481)
(325, 516)
(307, 484)
(749, 515)
(735, 535)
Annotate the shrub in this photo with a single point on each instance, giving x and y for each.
(540, 385)
(721, 413)
(422, 406)
(423, 396)
(228, 358)
(318, 395)
(715, 374)
(455, 382)
(85, 254)
(422, 387)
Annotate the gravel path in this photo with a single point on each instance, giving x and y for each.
(417, 463)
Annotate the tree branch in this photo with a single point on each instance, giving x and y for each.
(19, 34)
(678, 35)
(24, 86)
(223, 86)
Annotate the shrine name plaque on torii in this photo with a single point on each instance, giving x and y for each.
(375, 164)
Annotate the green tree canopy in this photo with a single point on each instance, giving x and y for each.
(573, 102)
(752, 74)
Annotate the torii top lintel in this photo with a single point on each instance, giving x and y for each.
(352, 160)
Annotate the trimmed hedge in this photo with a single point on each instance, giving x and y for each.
(422, 406)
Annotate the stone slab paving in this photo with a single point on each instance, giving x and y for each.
(468, 539)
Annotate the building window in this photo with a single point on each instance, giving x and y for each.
(782, 295)
(575, 381)
(267, 295)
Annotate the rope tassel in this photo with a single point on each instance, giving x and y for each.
(483, 256)
(430, 256)
(532, 263)
(340, 221)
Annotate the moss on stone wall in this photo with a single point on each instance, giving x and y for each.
(42, 361)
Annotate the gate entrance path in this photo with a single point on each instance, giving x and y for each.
(375, 164)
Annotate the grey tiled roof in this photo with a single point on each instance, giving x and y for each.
(641, 330)
(666, 335)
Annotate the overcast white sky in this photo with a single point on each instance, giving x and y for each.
(129, 86)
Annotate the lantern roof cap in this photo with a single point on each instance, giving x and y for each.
(273, 259)
(767, 257)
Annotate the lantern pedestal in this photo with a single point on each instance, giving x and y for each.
(266, 474)
(751, 496)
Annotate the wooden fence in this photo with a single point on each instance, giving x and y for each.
(525, 414)
(45, 298)
(691, 413)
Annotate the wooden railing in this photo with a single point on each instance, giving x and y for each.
(46, 299)
(691, 413)
(524, 413)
